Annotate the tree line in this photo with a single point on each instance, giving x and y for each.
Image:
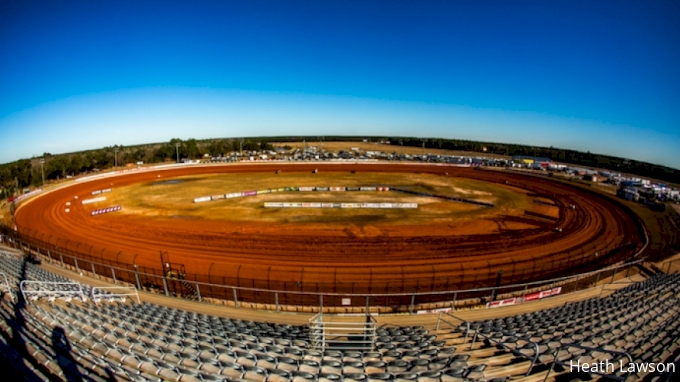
(24, 173)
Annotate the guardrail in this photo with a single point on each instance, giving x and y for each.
(76, 291)
(159, 283)
(301, 300)
(99, 293)
(341, 335)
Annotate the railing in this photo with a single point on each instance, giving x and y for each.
(306, 301)
(76, 290)
(503, 344)
(99, 293)
(342, 335)
(440, 320)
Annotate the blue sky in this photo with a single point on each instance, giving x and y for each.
(599, 76)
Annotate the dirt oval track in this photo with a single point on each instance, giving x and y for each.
(257, 257)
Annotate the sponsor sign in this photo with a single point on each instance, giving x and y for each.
(249, 193)
(337, 189)
(105, 210)
(367, 188)
(346, 301)
(434, 311)
(352, 188)
(217, 197)
(273, 205)
(407, 205)
(97, 192)
(232, 195)
(499, 303)
(321, 188)
(306, 188)
(202, 199)
(260, 192)
(543, 294)
(349, 205)
(326, 205)
(94, 200)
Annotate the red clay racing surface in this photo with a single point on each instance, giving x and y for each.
(259, 257)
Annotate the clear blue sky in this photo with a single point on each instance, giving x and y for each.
(602, 76)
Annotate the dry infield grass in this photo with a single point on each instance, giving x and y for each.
(173, 198)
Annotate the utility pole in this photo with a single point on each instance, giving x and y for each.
(115, 157)
(240, 141)
(177, 150)
(42, 170)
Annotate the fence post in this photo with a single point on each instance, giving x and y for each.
(94, 273)
(367, 309)
(235, 297)
(413, 302)
(62, 260)
(524, 295)
(628, 271)
(613, 275)
(320, 304)
(75, 261)
(139, 286)
(198, 292)
(453, 303)
(113, 273)
(165, 286)
(597, 279)
(276, 300)
(49, 255)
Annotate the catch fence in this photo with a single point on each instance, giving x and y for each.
(425, 298)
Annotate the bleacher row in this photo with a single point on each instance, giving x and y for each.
(119, 341)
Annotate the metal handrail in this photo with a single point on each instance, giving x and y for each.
(78, 292)
(94, 296)
(512, 350)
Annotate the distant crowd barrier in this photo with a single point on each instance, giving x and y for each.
(339, 205)
(290, 189)
(93, 200)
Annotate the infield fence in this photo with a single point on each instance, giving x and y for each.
(432, 295)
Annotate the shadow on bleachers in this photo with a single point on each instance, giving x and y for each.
(65, 359)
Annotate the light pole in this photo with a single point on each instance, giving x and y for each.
(42, 170)
(115, 157)
(177, 151)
